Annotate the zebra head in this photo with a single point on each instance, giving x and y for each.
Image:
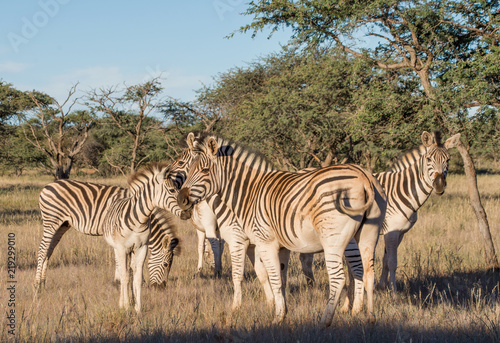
(161, 259)
(179, 168)
(158, 190)
(435, 159)
(201, 181)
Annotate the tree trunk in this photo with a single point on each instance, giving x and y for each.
(475, 202)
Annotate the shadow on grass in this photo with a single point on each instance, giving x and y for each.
(472, 288)
(356, 332)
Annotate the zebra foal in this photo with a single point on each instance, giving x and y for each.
(320, 210)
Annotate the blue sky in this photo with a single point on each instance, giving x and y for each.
(49, 45)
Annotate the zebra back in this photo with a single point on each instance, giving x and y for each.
(84, 205)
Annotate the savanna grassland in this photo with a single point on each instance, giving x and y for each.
(445, 294)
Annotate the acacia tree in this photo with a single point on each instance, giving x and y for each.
(182, 117)
(314, 108)
(57, 131)
(428, 38)
(130, 111)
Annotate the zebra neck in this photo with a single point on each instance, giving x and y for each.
(407, 188)
(139, 209)
(241, 179)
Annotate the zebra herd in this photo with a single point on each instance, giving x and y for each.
(234, 194)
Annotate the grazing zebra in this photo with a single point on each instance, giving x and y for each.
(163, 243)
(408, 184)
(122, 216)
(320, 210)
(163, 246)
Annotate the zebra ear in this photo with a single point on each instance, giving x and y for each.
(426, 139)
(163, 175)
(190, 140)
(452, 142)
(212, 147)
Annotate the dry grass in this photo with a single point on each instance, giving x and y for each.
(445, 292)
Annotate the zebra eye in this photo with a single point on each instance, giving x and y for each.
(171, 190)
(205, 170)
(180, 163)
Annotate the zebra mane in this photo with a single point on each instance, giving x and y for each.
(407, 159)
(134, 181)
(228, 147)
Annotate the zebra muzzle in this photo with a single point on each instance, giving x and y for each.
(183, 199)
(439, 183)
(185, 215)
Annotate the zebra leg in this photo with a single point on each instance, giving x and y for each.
(306, 260)
(367, 241)
(356, 287)
(284, 255)
(237, 252)
(117, 270)
(269, 254)
(335, 234)
(137, 264)
(123, 260)
(261, 272)
(49, 241)
(390, 261)
(216, 248)
(201, 249)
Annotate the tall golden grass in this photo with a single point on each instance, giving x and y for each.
(446, 293)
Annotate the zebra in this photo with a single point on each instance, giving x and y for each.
(213, 219)
(320, 210)
(206, 227)
(122, 216)
(408, 184)
(163, 243)
(204, 215)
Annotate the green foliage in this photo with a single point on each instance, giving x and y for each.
(17, 154)
(309, 108)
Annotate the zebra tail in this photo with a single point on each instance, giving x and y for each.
(369, 191)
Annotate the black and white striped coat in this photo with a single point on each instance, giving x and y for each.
(320, 210)
(408, 184)
(122, 216)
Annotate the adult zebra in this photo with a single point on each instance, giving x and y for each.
(408, 184)
(315, 211)
(122, 216)
(206, 225)
(214, 214)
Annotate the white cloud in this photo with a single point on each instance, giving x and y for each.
(13, 67)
